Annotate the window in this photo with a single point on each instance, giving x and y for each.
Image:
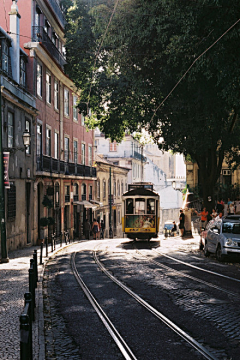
(104, 189)
(67, 193)
(57, 195)
(90, 192)
(82, 120)
(48, 88)
(22, 72)
(83, 154)
(47, 27)
(39, 140)
(122, 187)
(27, 127)
(89, 155)
(75, 151)
(129, 206)
(84, 192)
(114, 189)
(140, 206)
(10, 129)
(150, 206)
(39, 80)
(5, 54)
(66, 143)
(75, 192)
(98, 189)
(56, 94)
(11, 202)
(66, 102)
(48, 142)
(113, 146)
(118, 188)
(75, 111)
(56, 145)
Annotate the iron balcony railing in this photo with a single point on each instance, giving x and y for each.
(48, 164)
(58, 12)
(40, 35)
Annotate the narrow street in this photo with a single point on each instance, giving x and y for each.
(190, 302)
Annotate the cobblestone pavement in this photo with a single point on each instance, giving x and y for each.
(13, 285)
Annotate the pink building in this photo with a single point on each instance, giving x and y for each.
(64, 172)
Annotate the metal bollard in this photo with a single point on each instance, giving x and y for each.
(46, 246)
(36, 265)
(24, 338)
(32, 286)
(52, 242)
(28, 301)
(61, 234)
(41, 253)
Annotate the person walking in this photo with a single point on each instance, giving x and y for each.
(95, 228)
(87, 229)
(204, 215)
(102, 229)
(181, 223)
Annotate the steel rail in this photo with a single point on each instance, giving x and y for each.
(189, 276)
(198, 268)
(195, 344)
(123, 347)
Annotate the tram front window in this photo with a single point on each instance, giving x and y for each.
(140, 206)
(151, 206)
(129, 206)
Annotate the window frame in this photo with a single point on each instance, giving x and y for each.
(39, 79)
(66, 102)
(48, 88)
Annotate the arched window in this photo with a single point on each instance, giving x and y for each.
(98, 189)
(84, 191)
(56, 195)
(75, 192)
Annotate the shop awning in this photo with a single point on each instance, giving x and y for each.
(97, 202)
(86, 204)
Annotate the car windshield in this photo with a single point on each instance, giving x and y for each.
(231, 228)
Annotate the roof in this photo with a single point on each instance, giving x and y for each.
(140, 191)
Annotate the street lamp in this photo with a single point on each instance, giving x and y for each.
(26, 138)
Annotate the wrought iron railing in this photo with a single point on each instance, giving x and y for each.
(40, 35)
(57, 10)
(51, 165)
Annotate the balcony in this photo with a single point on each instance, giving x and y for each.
(55, 166)
(40, 35)
(58, 12)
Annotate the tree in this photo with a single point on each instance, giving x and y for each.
(147, 49)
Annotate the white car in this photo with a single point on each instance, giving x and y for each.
(223, 237)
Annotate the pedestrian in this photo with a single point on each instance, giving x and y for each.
(102, 229)
(204, 215)
(219, 207)
(87, 229)
(174, 229)
(181, 223)
(95, 228)
(213, 214)
(231, 209)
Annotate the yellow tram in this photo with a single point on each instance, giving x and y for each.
(141, 213)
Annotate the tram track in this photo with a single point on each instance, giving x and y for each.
(170, 324)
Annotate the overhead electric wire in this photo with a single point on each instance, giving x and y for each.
(204, 52)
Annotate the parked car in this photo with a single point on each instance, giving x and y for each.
(223, 237)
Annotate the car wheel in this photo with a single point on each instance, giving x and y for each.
(219, 255)
(206, 252)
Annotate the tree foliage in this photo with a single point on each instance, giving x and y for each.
(126, 72)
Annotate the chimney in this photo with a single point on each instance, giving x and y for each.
(15, 49)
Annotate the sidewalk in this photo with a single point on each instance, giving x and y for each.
(13, 285)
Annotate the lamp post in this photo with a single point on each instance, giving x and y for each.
(110, 204)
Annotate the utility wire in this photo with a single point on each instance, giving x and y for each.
(204, 52)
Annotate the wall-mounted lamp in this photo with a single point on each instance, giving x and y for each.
(26, 138)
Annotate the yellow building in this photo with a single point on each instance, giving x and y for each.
(110, 185)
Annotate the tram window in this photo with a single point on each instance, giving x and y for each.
(140, 206)
(129, 206)
(151, 206)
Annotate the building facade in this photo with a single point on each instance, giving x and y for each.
(111, 184)
(18, 114)
(64, 175)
